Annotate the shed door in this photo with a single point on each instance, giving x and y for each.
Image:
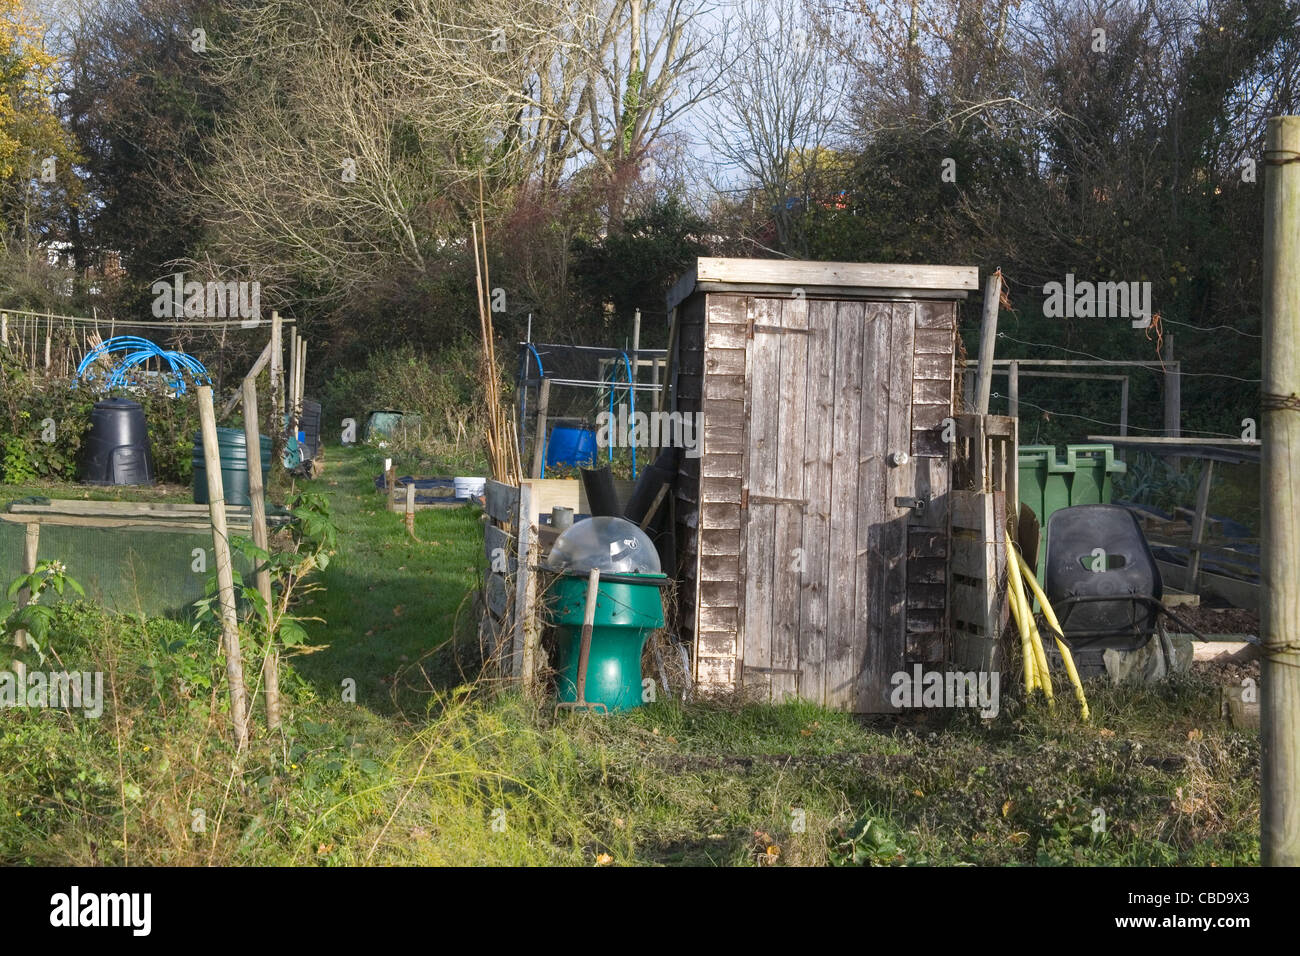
(829, 399)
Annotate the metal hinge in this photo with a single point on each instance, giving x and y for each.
(916, 504)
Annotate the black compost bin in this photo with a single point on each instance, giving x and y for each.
(115, 450)
(1101, 578)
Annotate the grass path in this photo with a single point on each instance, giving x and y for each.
(389, 600)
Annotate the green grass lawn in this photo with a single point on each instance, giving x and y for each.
(429, 765)
(390, 601)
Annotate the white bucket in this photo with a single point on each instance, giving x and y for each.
(469, 487)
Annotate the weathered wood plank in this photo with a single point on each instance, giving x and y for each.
(760, 478)
(718, 618)
(855, 321)
(788, 557)
(721, 515)
(932, 392)
(499, 548)
(819, 424)
(934, 342)
(724, 387)
(714, 674)
(725, 439)
(927, 570)
(936, 315)
(716, 644)
(496, 595)
(715, 490)
(501, 501)
(870, 275)
(928, 367)
(722, 361)
(722, 465)
(927, 417)
(721, 336)
(723, 412)
(719, 567)
(720, 541)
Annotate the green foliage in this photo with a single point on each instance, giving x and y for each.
(313, 539)
(1155, 481)
(44, 419)
(444, 388)
(634, 269)
(867, 842)
(34, 617)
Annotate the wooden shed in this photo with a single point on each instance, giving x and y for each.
(813, 526)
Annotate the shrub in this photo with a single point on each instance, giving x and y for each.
(44, 419)
(443, 388)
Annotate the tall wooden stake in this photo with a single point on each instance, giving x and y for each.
(1279, 816)
(31, 545)
(225, 577)
(988, 336)
(276, 430)
(257, 505)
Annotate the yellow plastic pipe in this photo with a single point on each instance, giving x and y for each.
(1016, 596)
(1066, 656)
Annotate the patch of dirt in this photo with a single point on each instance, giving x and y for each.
(1212, 620)
(1224, 673)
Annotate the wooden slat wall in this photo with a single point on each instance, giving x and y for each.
(688, 394)
(501, 502)
(985, 483)
(720, 616)
(933, 349)
(979, 608)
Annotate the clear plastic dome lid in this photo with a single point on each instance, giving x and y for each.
(614, 545)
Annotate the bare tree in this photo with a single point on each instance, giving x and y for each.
(775, 126)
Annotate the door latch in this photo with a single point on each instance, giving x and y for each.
(916, 504)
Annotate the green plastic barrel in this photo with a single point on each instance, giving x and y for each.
(1049, 483)
(234, 466)
(626, 613)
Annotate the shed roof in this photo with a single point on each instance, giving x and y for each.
(828, 279)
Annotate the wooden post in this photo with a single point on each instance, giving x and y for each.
(588, 625)
(302, 383)
(31, 544)
(4, 330)
(539, 441)
(1173, 390)
(1280, 501)
(1013, 394)
(292, 399)
(276, 431)
(225, 577)
(257, 507)
(1123, 406)
(1198, 526)
(988, 337)
(527, 630)
(410, 509)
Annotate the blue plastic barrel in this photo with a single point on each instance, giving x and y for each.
(570, 445)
